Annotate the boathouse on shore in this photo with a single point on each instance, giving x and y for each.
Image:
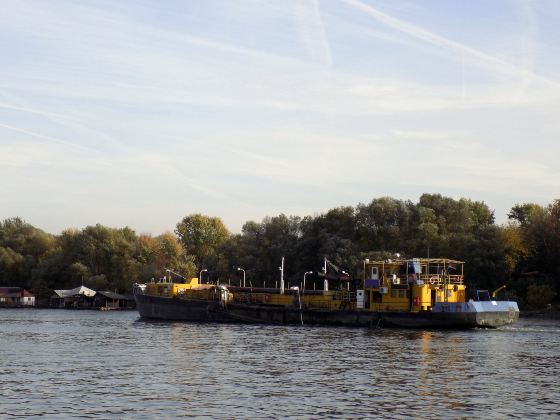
(112, 300)
(79, 297)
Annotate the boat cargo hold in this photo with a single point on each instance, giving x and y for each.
(408, 293)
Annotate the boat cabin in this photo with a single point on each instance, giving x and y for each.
(414, 285)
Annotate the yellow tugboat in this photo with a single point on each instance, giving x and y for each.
(411, 293)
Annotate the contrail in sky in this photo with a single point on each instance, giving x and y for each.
(440, 41)
(48, 138)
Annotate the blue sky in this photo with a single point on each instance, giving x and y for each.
(140, 112)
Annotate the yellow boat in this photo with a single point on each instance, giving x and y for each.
(412, 293)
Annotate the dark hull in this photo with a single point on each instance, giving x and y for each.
(164, 308)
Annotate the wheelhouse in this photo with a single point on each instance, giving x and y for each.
(415, 284)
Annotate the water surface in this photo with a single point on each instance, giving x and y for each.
(63, 363)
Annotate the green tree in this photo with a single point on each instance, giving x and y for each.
(98, 282)
(22, 247)
(383, 224)
(78, 272)
(12, 267)
(539, 295)
(515, 247)
(525, 213)
(201, 236)
(331, 235)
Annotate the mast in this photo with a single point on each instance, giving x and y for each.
(325, 281)
(282, 277)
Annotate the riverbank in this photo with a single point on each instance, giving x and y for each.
(551, 312)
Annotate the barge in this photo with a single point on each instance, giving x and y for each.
(401, 293)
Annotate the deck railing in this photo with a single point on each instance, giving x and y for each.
(441, 278)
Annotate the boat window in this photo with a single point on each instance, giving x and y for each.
(483, 295)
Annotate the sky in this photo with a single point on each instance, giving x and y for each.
(138, 113)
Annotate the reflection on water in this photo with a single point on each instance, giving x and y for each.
(59, 363)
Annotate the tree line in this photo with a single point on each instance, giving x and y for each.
(524, 253)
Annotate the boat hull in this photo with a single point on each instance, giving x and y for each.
(472, 316)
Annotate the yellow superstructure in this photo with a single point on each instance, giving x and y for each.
(411, 285)
(165, 287)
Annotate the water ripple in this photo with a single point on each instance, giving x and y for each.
(91, 364)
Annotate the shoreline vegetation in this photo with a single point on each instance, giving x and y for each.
(522, 254)
(549, 312)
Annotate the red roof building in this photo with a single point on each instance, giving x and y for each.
(16, 297)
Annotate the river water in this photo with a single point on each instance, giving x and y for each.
(62, 363)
